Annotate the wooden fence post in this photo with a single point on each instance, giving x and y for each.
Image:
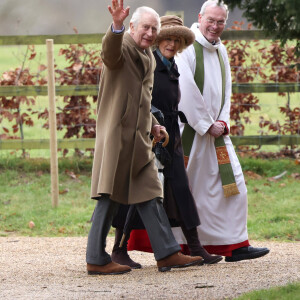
(52, 123)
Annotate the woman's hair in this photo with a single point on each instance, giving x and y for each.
(138, 13)
(213, 3)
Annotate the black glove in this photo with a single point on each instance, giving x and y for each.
(162, 154)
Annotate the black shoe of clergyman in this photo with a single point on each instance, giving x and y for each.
(246, 253)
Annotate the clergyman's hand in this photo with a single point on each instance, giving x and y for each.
(118, 13)
(216, 129)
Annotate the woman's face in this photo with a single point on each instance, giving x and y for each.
(169, 46)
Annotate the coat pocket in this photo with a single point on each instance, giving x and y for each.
(127, 109)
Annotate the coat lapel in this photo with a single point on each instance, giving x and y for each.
(143, 59)
(152, 62)
(145, 62)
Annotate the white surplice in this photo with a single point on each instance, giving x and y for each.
(223, 220)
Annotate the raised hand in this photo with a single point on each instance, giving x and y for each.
(119, 14)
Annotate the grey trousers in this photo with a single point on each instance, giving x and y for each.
(154, 218)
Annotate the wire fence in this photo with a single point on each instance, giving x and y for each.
(23, 120)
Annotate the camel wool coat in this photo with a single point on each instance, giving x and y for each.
(124, 166)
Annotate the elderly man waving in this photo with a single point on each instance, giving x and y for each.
(124, 171)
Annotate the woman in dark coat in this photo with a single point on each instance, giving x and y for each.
(178, 200)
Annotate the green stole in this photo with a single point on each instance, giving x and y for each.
(225, 168)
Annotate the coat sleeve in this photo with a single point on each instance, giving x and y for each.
(225, 113)
(192, 103)
(154, 121)
(112, 52)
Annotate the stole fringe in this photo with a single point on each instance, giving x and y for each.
(230, 190)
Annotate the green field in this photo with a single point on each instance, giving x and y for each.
(13, 56)
(269, 109)
(25, 195)
(288, 292)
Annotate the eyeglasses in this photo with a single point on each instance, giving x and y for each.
(213, 22)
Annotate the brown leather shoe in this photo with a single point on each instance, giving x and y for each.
(111, 268)
(178, 260)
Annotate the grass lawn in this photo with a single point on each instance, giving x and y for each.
(25, 193)
(27, 197)
(13, 56)
(288, 292)
(269, 103)
(274, 212)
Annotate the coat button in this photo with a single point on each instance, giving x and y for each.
(147, 132)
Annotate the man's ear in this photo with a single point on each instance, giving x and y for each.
(131, 27)
(199, 18)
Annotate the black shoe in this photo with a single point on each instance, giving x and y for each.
(195, 247)
(246, 253)
(208, 258)
(121, 257)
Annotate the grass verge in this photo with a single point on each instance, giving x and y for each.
(25, 195)
(288, 292)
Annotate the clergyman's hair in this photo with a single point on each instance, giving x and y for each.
(138, 13)
(213, 3)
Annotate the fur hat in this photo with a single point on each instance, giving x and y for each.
(173, 25)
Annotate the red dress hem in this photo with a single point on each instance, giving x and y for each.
(139, 241)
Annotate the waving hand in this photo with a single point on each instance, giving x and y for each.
(119, 14)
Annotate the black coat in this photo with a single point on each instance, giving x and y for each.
(178, 200)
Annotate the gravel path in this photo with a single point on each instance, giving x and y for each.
(54, 268)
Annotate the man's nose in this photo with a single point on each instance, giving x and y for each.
(215, 24)
(150, 32)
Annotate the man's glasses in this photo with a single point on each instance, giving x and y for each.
(211, 21)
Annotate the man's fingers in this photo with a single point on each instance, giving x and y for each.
(117, 9)
(127, 11)
(114, 3)
(114, 6)
(216, 130)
